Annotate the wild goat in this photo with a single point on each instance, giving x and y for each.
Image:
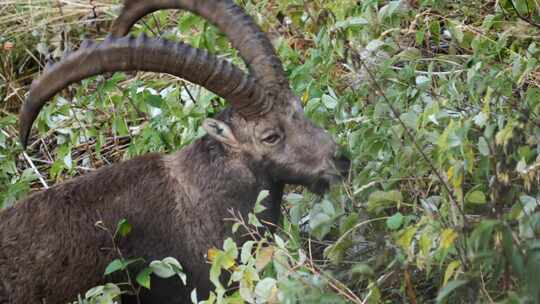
(50, 249)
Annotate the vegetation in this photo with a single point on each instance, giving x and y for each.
(436, 102)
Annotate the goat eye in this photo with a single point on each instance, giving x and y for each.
(271, 139)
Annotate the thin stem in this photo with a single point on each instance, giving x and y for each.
(40, 177)
(453, 201)
(520, 16)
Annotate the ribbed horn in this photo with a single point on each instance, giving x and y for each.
(152, 55)
(245, 35)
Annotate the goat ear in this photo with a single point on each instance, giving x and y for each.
(220, 131)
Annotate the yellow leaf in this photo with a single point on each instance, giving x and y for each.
(264, 257)
(448, 236)
(216, 256)
(450, 173)
(457, 181)
(406, 238)
(305, 97)
(212, 254)
(450, 270)
(228, 262)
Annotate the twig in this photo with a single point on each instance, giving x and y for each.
(520, 16)
(408, 133)
(150, 29)
(484, 288)
(46, 162)
(344, 235)
(335, 284)
(189, 93)
(31, 163)
(95, 16)
(156, 21)
(100, 224)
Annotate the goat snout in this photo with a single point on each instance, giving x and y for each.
(341, 163)
(336, 169)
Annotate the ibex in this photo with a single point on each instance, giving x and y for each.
(50, 250)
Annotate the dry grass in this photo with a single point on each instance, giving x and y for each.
(33, 31)
(19, 18)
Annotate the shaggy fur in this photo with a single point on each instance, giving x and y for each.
(51, 251)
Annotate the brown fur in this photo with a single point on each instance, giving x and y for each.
(50, 249)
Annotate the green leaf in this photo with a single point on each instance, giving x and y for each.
(532, 272)
(162, 269)
(483, 147)
(349, 222)
(409, 54)
(329, 102)
(336, 252)
(530, 204)
(362, 269)
(194, 298)
(143, 278)
(95, 291)
(481, 236)
(245, 255)
(104, 293)
(279, 241)
(260, 198)
(395, 221)
(374, 45)
(351, 22)
(455, 30)
(489, 20)
(119, 264)
(382, 196)
(320, 224)
(266, 289)
(450, 270)
(435, 29)
(177, 268)
(449, 288)
(410, 119)
(230, 248)
(423, 81)
(380, 200)
(123, 228)
(476, 197)
(154, 100)
(174, 263)
(120, 126)
(114, 266)
(389, 9)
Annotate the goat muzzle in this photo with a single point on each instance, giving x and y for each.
(338, 169)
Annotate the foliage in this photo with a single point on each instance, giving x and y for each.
(110, 292)
(436, 102)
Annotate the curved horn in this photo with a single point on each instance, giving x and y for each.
(245, 35)
(146, 54)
